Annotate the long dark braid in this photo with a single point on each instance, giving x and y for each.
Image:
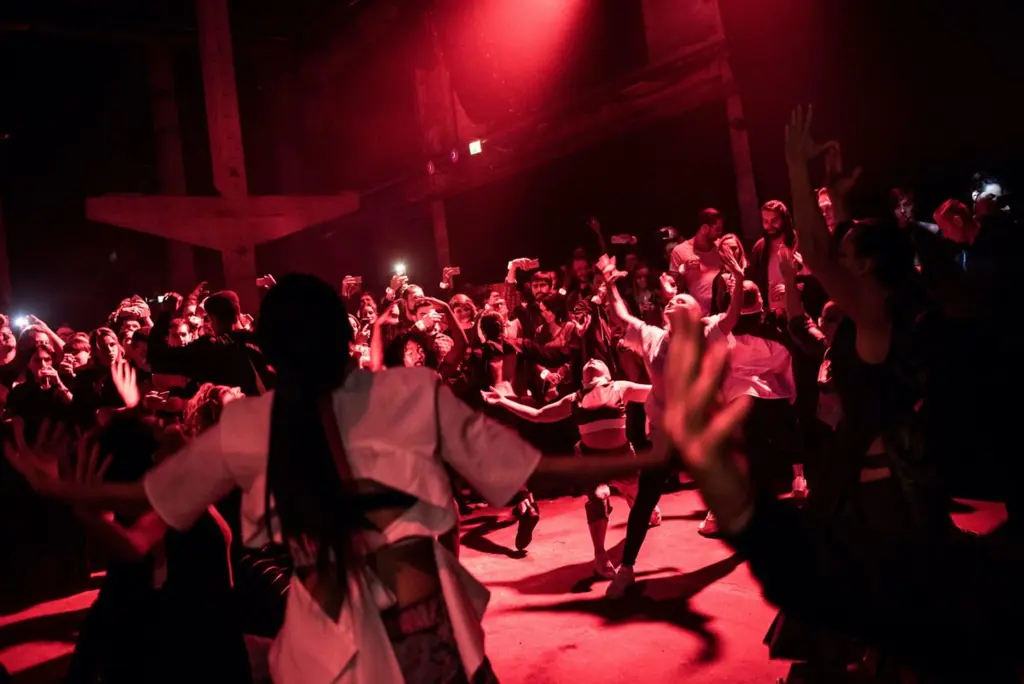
(305, 334)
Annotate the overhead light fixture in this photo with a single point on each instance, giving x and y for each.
(476, 147)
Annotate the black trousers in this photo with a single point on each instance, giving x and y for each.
(650, 487)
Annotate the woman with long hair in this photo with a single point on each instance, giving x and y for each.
(349, 468)
(94, 388)
(878, 479)
(41, 393)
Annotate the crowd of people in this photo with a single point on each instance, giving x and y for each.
(300, 476)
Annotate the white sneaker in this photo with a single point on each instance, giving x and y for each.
(655, 517)
(603, 567)
(800, 490)
(709, 528)
(624, 579)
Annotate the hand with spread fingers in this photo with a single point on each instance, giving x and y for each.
(44, 464)
(90, 466)
(124, 378)
(703, 431)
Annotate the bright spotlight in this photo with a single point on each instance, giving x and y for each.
(476, 147)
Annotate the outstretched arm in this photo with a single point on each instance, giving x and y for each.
(550, 413)
(634, 392)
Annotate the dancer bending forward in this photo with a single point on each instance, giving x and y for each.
(599, 410)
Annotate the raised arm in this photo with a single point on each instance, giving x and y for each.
(634, 392)
(618, 311)
(732, 314)
(816, 242)
(179, 488)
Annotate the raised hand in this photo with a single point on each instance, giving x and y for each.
(731, 264)
(668, 284)
(398, 282)
(42, 462)
(491, 397)
(448, 274)
(838, 182)
(800, 146)
(700, 429)
(432, 320)
(787, 261)
(606, 267)
(90, 466)
(350, 285)
(389, 317)
(124, 379)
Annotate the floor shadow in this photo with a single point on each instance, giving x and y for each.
(482, 519)
(692, 516)
(477, 540)
(577, 578)
(689, 584)
(662, 599)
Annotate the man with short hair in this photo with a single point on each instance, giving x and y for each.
(227, 357)
(698, 260)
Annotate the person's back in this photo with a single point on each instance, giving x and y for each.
(398, 430)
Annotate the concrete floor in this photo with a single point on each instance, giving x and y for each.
(696, 614)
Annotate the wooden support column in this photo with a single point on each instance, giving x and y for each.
(225, 131)
(742, 163)
(444, 256)
(5, 267)
(739, 142)
(170, 164)
(222, 118)
(240, 267)
(235, 222)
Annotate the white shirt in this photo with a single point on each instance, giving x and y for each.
(699, 269)
(399, 430)
(757, 367)
(650, 343)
